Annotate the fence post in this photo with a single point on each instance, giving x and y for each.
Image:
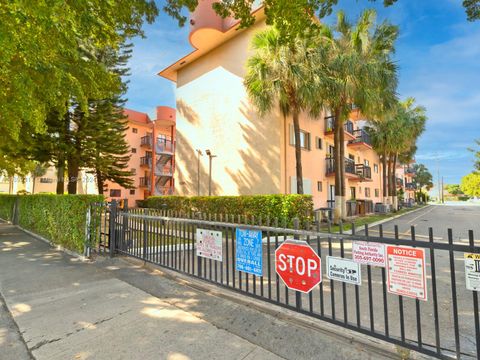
(298, 294)
(145, 235)
(124, 245)
(111, 230)
(87, 246)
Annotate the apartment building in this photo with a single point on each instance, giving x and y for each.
(253, 155)
(152, 161)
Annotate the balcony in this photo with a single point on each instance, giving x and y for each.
(145, 182)
(146, 141)
(409, 170)
(399, 182)
(165, 146)
(164, 190)
(361, 140)
(330, 127)
(166, 170)
(146, 161)
(364, 172)
(349, 167)
(411, 186)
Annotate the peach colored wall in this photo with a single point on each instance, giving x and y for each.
(213, 112)
(254, 155)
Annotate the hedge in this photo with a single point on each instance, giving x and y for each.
(283, 207)
(6, 206)
(59, 218)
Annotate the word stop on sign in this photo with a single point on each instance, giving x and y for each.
(298, 265)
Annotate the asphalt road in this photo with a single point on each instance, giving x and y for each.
(440, 218)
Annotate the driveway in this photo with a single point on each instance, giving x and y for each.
(438, 217)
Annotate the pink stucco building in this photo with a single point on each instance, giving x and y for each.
(254, 155)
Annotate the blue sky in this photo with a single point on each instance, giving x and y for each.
(438, 54)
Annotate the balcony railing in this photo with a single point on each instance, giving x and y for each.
(361, 136)
(146, 161)
(349, 166)
(164, 190)
(146, 141)
(330, 125)
(145, 181)
(165, 146)
(411, 186)
(364, 171)
(166, 170)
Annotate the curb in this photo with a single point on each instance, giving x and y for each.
(371, 344)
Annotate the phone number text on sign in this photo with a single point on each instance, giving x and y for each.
(369, 253)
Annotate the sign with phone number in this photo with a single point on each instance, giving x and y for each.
(369, 253)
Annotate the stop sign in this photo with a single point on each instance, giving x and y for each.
(298, 265)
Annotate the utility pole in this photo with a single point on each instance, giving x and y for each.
(442, 192)
(210, 157)
(199, 153)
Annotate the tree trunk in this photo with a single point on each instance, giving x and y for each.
(33, 184)
(60, 175)
(73, 169)
(394, 179)
(339, 156)
(99, 182)
(384, 177)
(298, 151)
(10, 185)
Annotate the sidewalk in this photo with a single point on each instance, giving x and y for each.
(66, 309)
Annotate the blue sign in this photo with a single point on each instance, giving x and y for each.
(249, 253)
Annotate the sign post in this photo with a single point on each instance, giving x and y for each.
(406, 273)
(249, 252)
(298, 265)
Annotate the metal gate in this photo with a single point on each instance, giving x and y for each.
(445, 326)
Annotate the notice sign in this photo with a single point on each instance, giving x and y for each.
(344, 270)
(406, 274)
(248, 251)
(472, 271)
(369, 253)
(209, 244)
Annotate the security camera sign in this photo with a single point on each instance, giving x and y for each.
(406, 274)
(472, 271)
(344, 270)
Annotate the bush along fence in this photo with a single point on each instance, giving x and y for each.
(281, 207)
(411, 289)
(59, 218)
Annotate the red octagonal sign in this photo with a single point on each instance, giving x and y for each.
(298, 265)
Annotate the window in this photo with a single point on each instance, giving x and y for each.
(366, 162)
(133, 171)
(367, 192)
(377, 193)
(319, 186)
(132, 192)
(134, 130)
(115, 193)
(318, 142)
(331, 150)
(375, 168)
(134, 151)
(304, 138)
(351, 157)
(353, 194)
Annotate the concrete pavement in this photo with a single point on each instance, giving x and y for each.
(113, 309)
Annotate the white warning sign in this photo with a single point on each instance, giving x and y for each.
(406, 272)
(472, 271)
(209, 244)
(369, 253)
(344, 270)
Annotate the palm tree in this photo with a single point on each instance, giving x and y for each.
(280, 73)
(354, 65)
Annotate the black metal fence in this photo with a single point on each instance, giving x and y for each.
(445, 326)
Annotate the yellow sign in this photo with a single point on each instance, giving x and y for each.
(471, 256)
(472, 271)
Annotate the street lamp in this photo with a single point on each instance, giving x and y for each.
(199, 153)
(210, 157)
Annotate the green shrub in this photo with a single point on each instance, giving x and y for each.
(283, 207)
(59, 218)
(6, 206)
